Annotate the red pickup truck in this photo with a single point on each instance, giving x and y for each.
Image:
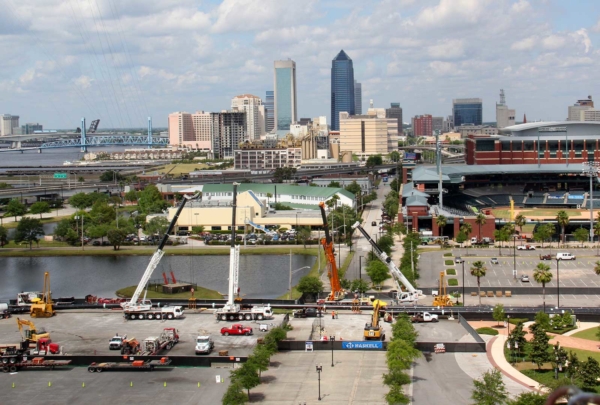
(236, 329)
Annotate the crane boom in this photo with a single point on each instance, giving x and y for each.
(413, 293)
(234, 260)
(154, 261)
(337, 293)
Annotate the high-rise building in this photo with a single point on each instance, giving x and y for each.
(269, 111)
(505, 117)
(285, 94)
(190, 130)
(395, 111)
(342, 88)
(255, 114)
(30, 128)
(576, 109)
(590, 115)
(357, 98)
(228, 130)
(422, 125)
(8, 123)
(467, 111)
(366, 135)
(437, 124)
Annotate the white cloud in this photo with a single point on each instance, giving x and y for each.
(440, 68)
(553, 42)
(452, 12)
(582, 36)
(521, 6)
(84, 82)
(525, 44)
(447, 49)
(596, 28)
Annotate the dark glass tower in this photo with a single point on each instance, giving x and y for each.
(342, 88)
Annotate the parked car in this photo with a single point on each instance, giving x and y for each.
(458, 259)
(307, 313)
(526, 247)
(236, 329)
(96, 243)
(524, 278)
(495, 260)
(545, 257)
(373, 223)
(565, 256)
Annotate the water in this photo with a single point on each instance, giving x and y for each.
(265, 276)
(51, 157)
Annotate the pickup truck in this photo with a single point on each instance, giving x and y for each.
(307, 313)
(116, 342)
(545, 257)
(526, 247)
(204, 345)
(236, 329)
(424, 317)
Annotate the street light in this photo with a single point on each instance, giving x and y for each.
(463, 282)
(515, 257)
(591, 169)
(293, 272)
(77, 218)
(332, 340)
(319, 369)
(360, 267)
(557, 284)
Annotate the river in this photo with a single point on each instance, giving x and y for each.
(51, 157)
(264, 276)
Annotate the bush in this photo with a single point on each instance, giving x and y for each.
(452, 282)
(451, 272)
(447, 254)
(448, 262)
(516, 321)
(487, 331)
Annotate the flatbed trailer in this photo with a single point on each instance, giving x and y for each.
(37, 362)
(148, 365)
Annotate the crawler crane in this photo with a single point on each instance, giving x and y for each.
(337, 293)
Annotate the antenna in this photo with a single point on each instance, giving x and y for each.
(502, 98)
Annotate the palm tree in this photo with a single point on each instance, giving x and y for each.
(480, 220)
(520, 220)
(478, 270)
(467, 229)
(597, 268)
(269, 195)
(542, 274)
(563, 220)
(441, 222)
(597, 232)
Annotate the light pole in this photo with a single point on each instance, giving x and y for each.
(332, 340)
(293, 272)
(319, 369)
(77, 218)
(557, 283)
(591, 169)
(360, 267)
(463, 282)
(515, 257)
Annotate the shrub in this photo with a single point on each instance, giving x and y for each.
(447, 254)
(452, 282)
(487, 331)
(516, 321)
(451, 272)
(448, 262)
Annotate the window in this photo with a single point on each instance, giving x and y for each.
(484, 145)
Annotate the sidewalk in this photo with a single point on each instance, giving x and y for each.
(67, 210)
(495, 354)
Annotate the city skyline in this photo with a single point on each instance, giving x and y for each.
(115, 61)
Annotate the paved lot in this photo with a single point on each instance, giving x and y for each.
(438, 379)
(348, 326)
(88, 332)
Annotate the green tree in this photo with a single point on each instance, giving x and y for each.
(542, 275)
(529, 398)
(157, 226)
(480, 220)
(520, 221)
(15, 208)
(98, 231)
(478, 270)
(80, 201)
(131, 195)
(516, 337)
(303, 235)
(396, 395)
(102, 213)
(589, 374)
(198, 229)
(29, 230)
(362, 286)
(543, 233)
(116, 237)
(467, 229)
(310, 285)
(259, 362)
(354, 188)
(247, 377)
(562, 218)
(489, 389)
(345, 283)
(499, 315)
(573, 369)
(581, 234)
(395, 156)
(374, 160)
(63, 227)
(404, 329)
(543, 319)
(111, 175)
(386, 243)
(335, 184)
(539, 353)
(234, 395)
(40, 207)
(3, 236)
(461, 238)
(441, 222)
(378, 272)
(150, 200)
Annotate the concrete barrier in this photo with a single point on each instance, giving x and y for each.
(176, 361)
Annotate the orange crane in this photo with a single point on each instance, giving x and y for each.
(337, 293)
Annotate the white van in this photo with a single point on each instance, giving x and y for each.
(565, 256)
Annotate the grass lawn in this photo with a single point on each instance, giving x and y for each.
(200, 292)
(448, 262)
(543, 212)
(451, 272)
(452, 282)
(589, 334)
(49, 220)
(447, 254)
(42, 243)
(182, 168)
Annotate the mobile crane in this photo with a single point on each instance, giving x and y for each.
(373, 330)
(43, 307)
(411, 294)
(337, 293)
(142, 309)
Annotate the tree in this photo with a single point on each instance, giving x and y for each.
(597, 268)
(520, 221)
(246, 376)
(385, 243)
(374, 160)
(543, 233)
(40, 207)
(157, 226)
(335, 184)
(198, 229)
(234, 395)
(542, 275)
(395, 156)
(517, 337)
(543, 319)
(97, 231)
(573, 368)
(378, 272)
(102, 213)
(259, 360)
(269, 196)
(116, 237)
(466, 228)
(131, 196)
(310, 285)
(478, 270)
(404, 329)
(441, 222)
(111, 176)
(489, 389)
(360, 286)
(29, 230)
(80, 201)
(303, 235)
(581, 234)
(3, 236)
(589, 374)
(498, 315)
(354, 188)
(502, 235)
(150, 200)
(345, 283)
(597, 233)
(562, 218)
(461, 238)
(529, 398)
(15, 208)
(480, 220)
(539, 353)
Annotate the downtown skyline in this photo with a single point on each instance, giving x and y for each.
(124, 62)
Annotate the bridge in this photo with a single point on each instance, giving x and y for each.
(83, 141)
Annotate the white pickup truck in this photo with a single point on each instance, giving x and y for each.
(116, 342)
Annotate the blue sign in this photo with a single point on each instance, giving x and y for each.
(410, 156)
(362, 345)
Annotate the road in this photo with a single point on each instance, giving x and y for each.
(438, 379)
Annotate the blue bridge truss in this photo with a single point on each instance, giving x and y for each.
(106, 140)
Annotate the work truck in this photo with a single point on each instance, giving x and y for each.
(151, 346)
(236, 329)
(424, 317)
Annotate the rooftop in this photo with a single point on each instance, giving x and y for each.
(543, 124)
(324, 192)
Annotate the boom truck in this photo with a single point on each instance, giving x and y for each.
(411, 294)
(143, 309)
(232, 311)
(337, 293)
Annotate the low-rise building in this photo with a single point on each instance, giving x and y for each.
(365, 182)
(267, 159)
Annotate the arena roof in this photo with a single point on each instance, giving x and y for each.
(456, 173)
(573, 127)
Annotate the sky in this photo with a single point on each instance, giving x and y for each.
(124, 60)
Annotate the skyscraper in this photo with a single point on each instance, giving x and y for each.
(357, 98)
(467, 111)
(505, 117)
(269, 111)
(342, 88)
(255, 114)
(8, 123)
(228, 130)
(285, 94)
(395, 111)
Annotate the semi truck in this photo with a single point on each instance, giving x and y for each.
(36, 362)
(154, 345)
(148, 365)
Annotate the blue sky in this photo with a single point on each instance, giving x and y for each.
(122, 61)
